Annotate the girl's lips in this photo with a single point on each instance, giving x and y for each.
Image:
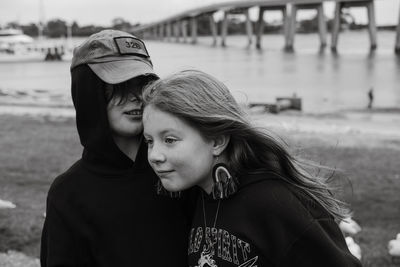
(163, 173)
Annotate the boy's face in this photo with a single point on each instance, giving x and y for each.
(125, 117)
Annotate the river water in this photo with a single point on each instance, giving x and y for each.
(325, 82)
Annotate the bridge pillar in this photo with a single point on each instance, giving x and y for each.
(260, 22)
(291, 28)
(213, 27)
(336, 26)
(168, 26)
(249, 27)
(154, 32)
(397, 45)
(372, 24)
(322, 28)
(157, 32)
(193, 29)
(292, 23)
(176, 31)
(260, 27)
(161, 32)
(224, 29)
(184, 30)
(369, 4)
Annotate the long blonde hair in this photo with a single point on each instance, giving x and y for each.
(207, 105)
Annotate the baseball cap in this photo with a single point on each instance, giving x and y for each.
(115, 56)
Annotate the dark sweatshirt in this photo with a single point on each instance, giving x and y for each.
(104, 210)
(266, 223)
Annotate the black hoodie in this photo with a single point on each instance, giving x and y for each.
(104, 210)
(266, 223)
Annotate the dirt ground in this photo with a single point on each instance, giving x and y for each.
(363, 146)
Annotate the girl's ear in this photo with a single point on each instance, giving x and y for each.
(220, 144)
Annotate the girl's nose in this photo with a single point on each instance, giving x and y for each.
(155, 155)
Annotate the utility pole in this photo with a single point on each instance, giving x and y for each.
(41, 19)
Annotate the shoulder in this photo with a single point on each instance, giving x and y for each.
(271, 192)
(268, 191)
(272, 198)
(66, 181)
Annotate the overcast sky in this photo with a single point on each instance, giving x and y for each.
(101, 12)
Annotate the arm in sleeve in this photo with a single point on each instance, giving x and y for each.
(57, 245)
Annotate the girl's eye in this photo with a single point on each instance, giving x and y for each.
(170, 140)
(148, 141)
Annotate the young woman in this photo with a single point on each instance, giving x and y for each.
(256, 206)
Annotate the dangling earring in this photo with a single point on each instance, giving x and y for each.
(224, 183)
(164, 192)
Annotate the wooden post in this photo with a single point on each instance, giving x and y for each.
(249, 27)
(336, 27)
(321, 25)
(372, 24)
(397, 45)
(224, 30)
(213, 27)
(260, 27)
(193, 31)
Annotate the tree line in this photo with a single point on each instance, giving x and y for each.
(57, 28)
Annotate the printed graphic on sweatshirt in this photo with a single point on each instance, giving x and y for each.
(214, 245)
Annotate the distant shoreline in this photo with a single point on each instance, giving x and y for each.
(345, 125)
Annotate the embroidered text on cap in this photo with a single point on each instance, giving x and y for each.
(130, 46)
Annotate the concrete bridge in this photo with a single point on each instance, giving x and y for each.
(183, 26)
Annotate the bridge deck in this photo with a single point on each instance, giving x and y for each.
(233, 5)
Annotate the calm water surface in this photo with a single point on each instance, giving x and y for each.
(324, 81)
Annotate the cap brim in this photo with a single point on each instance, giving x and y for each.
(114, 72)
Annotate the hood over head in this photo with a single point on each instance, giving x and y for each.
(92, 123)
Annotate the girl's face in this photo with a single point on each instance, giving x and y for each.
(177, 152)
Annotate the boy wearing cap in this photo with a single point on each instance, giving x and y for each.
(104, 210)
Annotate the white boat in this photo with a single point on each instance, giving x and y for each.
(13, 37)
(16, 47)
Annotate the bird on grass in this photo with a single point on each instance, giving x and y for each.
(5, 204)
(353, 247)
(394, 246)
(349, 226)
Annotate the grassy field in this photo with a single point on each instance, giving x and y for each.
(34, 150)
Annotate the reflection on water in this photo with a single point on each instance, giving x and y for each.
(323, 80)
